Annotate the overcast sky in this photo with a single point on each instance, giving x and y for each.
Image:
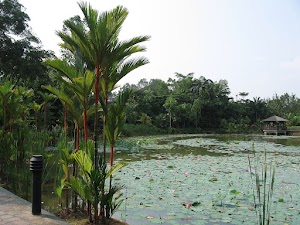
(253, 44)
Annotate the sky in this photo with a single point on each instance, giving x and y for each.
(253, 44)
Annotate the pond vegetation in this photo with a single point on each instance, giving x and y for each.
(219, 188)
(202, 179)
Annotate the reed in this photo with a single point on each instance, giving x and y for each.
(263, 178)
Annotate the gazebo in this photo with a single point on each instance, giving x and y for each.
(275, 125)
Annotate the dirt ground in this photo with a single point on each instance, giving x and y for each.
(81, 218)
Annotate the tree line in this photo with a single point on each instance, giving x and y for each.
(191, 104)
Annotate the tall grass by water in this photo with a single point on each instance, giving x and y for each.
(262, 178)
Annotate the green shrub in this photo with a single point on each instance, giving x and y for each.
(141, 130)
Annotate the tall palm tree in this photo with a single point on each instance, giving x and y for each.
(97, 39)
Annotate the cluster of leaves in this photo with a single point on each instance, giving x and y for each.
(20, 51)
(19, 120)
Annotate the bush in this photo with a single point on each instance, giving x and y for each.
(141, 130)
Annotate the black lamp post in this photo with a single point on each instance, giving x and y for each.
(36, 166)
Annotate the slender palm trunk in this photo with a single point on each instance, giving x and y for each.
(75, 171)
(68, 172)
(104, 123)
(90, 211)
(112, 155)
(96, 116)
(96, 136)
(85, 127)
(67, 191)
(111, 163)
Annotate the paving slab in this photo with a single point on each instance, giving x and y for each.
(17, 211)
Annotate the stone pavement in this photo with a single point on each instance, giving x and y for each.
(17, 211)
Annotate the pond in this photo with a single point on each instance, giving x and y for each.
(204, 179)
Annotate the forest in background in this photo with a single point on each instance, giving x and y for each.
(185, 103)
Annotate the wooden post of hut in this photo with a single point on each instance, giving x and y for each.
(274, 125)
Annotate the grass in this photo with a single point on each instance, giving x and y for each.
(264, 178)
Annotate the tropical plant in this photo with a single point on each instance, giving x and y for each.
(78, 81)
(170, 105)
(99, 46)
(65, 159)
(96, 38)
(46, 102)
(115, 115)
(36, 108)
(90, 180)
(6, 91)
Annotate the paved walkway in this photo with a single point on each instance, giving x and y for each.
(17, 211)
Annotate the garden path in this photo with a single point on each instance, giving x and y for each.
(17, 211)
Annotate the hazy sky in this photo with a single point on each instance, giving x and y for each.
(253, 44)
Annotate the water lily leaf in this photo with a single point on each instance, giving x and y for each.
(235, 192)
(214, 179)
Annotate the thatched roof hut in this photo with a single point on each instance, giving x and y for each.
(275, 125)
(275, 119)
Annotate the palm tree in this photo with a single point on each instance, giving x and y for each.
(78, 80)
(99, 45)
(115, 115)
(71, 104)
(96, 37)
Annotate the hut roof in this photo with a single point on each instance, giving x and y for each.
(275, 119)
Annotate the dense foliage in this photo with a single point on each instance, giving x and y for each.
(20, 51)
(188, 104)
(69, 103)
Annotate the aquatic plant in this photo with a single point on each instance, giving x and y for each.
(264, 187)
